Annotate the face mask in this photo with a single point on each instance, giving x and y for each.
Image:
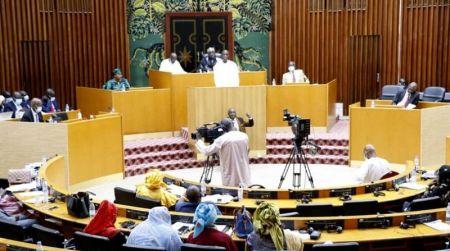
(52, 99)
(38, 109)
(18, 101)
(7, 100)
(291, 68)
(26, 98)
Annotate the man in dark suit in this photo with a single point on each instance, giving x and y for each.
(15, 106)
(239, 123)
(35, 113)
(408, 98)
(207, 63)
(50, 104)
(8, 99)
(25, 100)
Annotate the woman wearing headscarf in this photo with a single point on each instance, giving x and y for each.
(205, 232)
(155, 189)
(156, 231)
(103, 224)
(268, 233)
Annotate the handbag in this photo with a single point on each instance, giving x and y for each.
(78, 205)
(242, 223)
(19, 176)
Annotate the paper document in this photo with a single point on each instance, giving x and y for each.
(438, 225)
(22, 187)
(218, 198)
(412, 186)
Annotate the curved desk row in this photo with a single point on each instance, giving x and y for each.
(6, 244)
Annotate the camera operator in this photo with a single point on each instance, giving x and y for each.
(232, 148)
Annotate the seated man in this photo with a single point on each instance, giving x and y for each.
(226, 72)
(118, 82)
(15, 105)
(402, 82)
(409, 98)
(239, 123)
(8, 99)
(294, 76)
(49, 102)
(190, 201)
(34, 114)
(207, 63)
(25, 100)
(171, 65)
(232, 148)
(373, 167)
(154, 188)
(11, 210)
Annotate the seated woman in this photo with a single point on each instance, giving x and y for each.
(268, 233)
(205, 232)
(156, 231)
(155, 189)
(103, 224)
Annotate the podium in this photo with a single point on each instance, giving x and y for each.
(179, 83)
(399, 134)
(316, 102)
(210, 104)
(90, 148)
(143, 110)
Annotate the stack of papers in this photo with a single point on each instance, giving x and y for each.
(412, 186)
(438, 225)
(22, 187)
(218, 198)
(177, 190)
(429, 175)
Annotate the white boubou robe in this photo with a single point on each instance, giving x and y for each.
(168, 66)
(226, 74)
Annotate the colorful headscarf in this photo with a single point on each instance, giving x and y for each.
(266, 221)
(205, 216)
(103, 221)
(154, 180)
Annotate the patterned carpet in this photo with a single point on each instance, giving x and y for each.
(174, 153)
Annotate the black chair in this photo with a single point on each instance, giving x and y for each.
(89, 242)
(390, 91)
(433, 94)
(447, 97)
(311, 210)
(124, 196)
(128, 247)
(195, 247)
(47, 236)
(360, 207)
(345, 246)
(145, 202)
(4, 183)
(12, 230)
(426, 203)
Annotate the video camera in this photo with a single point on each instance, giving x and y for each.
(301, 128)
(209, 132)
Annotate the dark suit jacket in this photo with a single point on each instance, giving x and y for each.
(243, 124)
(28, 116)
(206, 64)
(413, 99)
(47, 104)
(10, 107)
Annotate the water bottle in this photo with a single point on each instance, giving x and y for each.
(38, 184)
(50, 120)
(412, 177)
(39, 246)
(416, 163)
(447, 213)
(203, 188)
(79, 116)
(91, 209)
(372, 104)
(91, 116)
(45, 192)
(67, 107)
(274, 82)
(240, 192)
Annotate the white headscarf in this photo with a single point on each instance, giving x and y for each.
(156, 231)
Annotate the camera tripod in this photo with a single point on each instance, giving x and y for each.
(208, 168)
(297, 156)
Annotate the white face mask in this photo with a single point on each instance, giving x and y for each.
(26, 98)
(18, 101)
(52, 99)
(38, 109)
(291, 68)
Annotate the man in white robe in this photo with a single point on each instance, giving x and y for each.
(373, 168)
(171, 65)
(226, 72)
(294, 76)
(232, 148)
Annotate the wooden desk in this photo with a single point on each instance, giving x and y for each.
(179, 83)
(209, 104)
(400, 135)
(6, 244)
(143, 110)
(315, 102)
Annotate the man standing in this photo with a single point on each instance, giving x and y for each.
(232, 148)
(35, 113)
(118, 83)
(294, 76)
(239, 124)
(373, 168)
(408, 98)
(226, 72)
(50, 104)
(207, 63)
(171, 65)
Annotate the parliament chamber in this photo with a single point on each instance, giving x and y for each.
(225, 125)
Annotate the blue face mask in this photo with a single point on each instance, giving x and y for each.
(18, 101)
